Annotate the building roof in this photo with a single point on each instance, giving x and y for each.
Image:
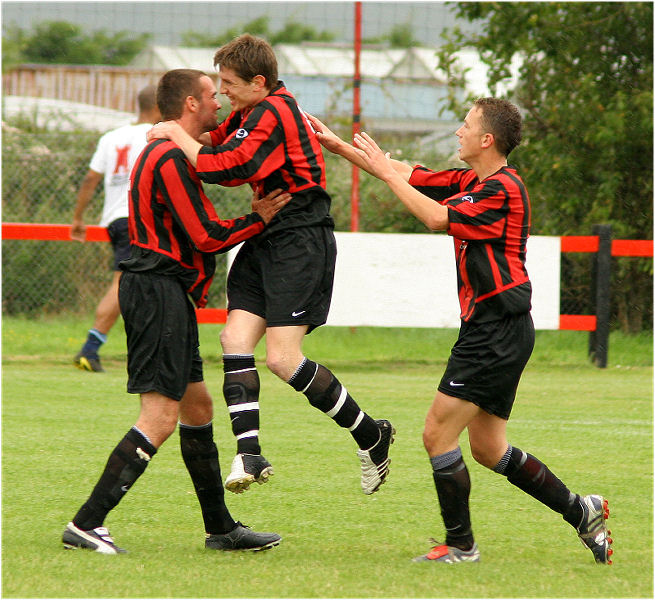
(309, 59)
(165, 58)
(64, 115)
(314, 59)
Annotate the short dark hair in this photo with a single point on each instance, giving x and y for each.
(248, 56)
(502, 119)
(147, 98)
(173, 89)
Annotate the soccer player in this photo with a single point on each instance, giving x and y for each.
(112, 161)
(486, 210)
(174, 232)
(280, 284)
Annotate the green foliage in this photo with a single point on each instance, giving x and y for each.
(60, 42)
(586, 88)
(13, 45)
(42, 171)
(40, 175)
(292, 33)
(400, 36)
(379, 210)
(296, 33)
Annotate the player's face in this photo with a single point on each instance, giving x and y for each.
(242, 94)
(208, 105)
(470, 135)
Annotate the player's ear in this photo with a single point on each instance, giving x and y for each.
(260, 82)
(191, 103)
(487, 140)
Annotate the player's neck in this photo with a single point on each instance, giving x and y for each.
(148, 117)
(485, 166)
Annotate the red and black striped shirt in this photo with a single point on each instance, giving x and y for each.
(271, 146)
(490, 224)
(174, 228)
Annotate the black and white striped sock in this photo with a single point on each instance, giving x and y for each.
(325, 392)
(241, 392)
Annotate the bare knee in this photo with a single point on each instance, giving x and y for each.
(157, 427)
(196, 407)
(487, 456)
(226, 338)
(279, 364)
(428, 441)
(435, 439)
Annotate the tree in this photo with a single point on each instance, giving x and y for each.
(296, 33)
(258, 27)
(400, 36)
(586, 88)
(291, 33)
(61, 42)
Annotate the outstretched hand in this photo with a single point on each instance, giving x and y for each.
(326, 137)
(378, 163)
(268, 206)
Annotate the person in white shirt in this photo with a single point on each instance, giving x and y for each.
(112, 161)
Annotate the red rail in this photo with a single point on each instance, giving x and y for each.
(589, 243)
(94, 233)
(568, 243)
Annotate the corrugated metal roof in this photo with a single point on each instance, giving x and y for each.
(306, 59)
(165, 58)
(64, 115)
(334, 60)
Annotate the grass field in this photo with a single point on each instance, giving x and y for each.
(592, 427)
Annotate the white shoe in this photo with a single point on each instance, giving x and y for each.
(97, 539)
(375, 461)
(246, 469)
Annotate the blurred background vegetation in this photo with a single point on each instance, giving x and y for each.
(585, 87)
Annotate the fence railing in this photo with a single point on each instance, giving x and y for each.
(98, 85)
(604, 248)
(599, 244)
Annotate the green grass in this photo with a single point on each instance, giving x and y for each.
(593, 427)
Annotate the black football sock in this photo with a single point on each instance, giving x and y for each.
(325, 392)
(94, 340)
(125, 465)
(533, 477)
(201, 459)
(451, 478)
(241, 392)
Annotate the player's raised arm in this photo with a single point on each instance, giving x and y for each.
(332, 142)
(431, 213)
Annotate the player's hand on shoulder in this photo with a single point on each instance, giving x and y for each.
(326, 137)
(161, 130)
(268, 206)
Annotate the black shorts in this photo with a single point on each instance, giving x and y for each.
(162, 335)
(487, 361)
(120, 241)
(285, 278)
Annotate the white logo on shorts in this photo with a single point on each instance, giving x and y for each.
(453, 384)
(297, 314)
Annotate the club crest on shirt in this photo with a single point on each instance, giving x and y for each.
(240, 134)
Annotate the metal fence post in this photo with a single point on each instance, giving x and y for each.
(600, 289)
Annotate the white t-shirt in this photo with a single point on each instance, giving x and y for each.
(115, 156)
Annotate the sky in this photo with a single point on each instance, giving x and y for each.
(166, 21)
